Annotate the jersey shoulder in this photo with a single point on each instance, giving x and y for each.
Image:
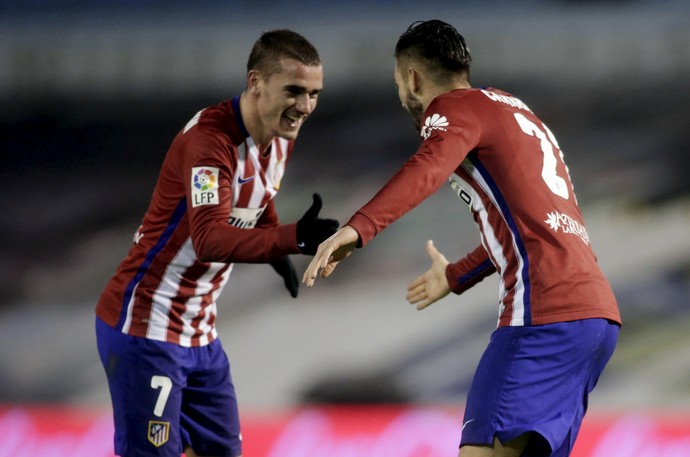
(221, 120)
(467, 103)
(478, 98)
(500, 99)
(452, 111)
(214, 122)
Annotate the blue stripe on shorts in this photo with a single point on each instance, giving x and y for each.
(537, 379)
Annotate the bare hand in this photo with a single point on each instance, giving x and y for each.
(334, 249)
(432, 285)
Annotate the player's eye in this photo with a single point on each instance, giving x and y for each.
(294, 90)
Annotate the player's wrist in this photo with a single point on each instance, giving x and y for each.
(364, 227)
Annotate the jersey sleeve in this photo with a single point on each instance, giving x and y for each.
(214, 239)
(423, 174)
(469, 270)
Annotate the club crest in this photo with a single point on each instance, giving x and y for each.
(158, 433)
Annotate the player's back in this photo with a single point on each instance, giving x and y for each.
(524, 203)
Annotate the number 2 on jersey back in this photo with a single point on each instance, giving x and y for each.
(549, 174)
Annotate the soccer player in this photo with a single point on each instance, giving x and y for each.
(558, 320)
(212, 206)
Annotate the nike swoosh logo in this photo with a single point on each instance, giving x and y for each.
(465, 424)
(244, 181)
(301, 245)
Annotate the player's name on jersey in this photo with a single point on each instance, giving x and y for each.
(512, 101)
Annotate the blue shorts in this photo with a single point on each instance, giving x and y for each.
(167, 397)
(537, 379)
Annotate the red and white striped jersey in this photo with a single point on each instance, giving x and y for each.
(507, 167)
(212, 206)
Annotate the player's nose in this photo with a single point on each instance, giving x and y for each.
(305, 104)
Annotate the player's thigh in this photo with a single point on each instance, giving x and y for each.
(145, 387)
(530, 379)
(210, 417)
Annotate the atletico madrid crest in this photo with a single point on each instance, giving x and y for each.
(158, 433)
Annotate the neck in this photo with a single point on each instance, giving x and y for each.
(252, 122)
(436, 90)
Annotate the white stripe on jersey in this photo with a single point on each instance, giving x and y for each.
(492, 245)
(488, 237)
(495, 248)
(130, 309)
(276, 166)
(157, 325)
(239, 173)
(263, 183)
(167, 290)
(251, 153)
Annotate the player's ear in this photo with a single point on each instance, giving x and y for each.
(253, 80)
(415, 80)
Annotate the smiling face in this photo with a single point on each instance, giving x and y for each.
(285, 98)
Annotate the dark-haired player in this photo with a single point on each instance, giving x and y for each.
(168, 375)
(558, 318)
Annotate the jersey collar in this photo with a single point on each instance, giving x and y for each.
(238, 116)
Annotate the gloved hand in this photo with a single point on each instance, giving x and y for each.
(286, 269)
(311, 230)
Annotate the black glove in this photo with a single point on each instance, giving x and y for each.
(286, 269)
(311, 230)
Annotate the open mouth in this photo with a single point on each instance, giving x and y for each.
(294, 120)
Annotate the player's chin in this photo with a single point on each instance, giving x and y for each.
(289, 133)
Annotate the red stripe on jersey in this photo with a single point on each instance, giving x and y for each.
(207, 308)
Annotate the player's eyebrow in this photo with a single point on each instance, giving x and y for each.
(296, 89)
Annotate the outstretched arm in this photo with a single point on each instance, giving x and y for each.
(432, 285)
(330, 253)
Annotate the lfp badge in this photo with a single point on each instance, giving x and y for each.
(204, 186)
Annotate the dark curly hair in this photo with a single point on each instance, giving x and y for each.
(438, 44)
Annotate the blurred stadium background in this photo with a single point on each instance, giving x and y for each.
(92, 93)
